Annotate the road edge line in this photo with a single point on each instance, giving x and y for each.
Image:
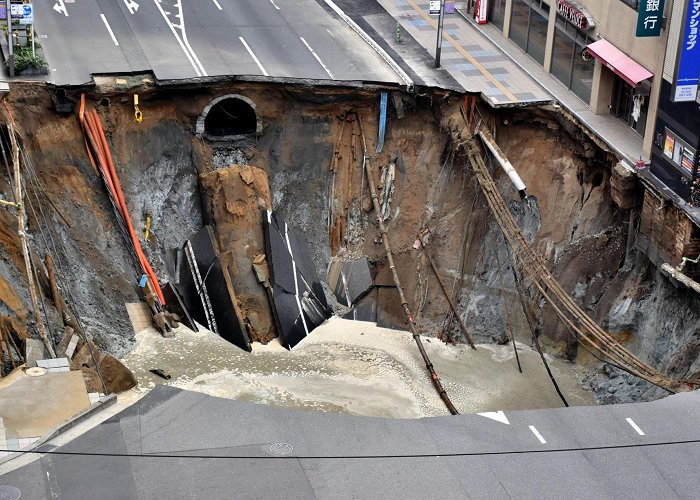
(382, 53)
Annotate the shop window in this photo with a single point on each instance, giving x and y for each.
(679, 152)
(528, 27)
(569, 64)
(497, 13)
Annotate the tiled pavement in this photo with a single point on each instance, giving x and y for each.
(477, 64)
(481, 59)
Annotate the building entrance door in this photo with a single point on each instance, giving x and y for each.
(630, 105)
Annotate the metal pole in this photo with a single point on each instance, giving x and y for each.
(441, 19)
(10, 41)
(32, 34)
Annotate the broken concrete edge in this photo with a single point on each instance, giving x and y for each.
(95, 408)
(382, 53)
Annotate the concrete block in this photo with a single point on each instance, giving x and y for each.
(34, 350)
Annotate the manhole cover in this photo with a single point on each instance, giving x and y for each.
(9, 493)
(281, 448)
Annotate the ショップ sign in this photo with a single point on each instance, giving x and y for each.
(575, 14)
(434, 7)
(688, 66)
(649, 17)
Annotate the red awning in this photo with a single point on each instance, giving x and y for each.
(622, 64)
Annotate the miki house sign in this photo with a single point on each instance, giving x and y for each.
(575, 14)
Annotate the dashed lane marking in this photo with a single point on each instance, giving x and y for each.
(109, 28)
(635, 426)
(217, 5)
(274, 4)
(317, 58)
(247, 47)
(537, 434)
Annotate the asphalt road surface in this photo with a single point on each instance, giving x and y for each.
(180, 444)
(184, 39)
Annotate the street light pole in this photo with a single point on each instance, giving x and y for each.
(10, 41)
(438, 48)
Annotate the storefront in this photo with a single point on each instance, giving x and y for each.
(628, 81)
(497, 13)
(528, 27)
(571, 65)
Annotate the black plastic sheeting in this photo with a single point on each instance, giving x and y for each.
(299, 304)
(350, 280)
(206, 289)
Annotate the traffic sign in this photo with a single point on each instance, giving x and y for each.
(27, 14)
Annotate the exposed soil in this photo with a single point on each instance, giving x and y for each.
(312, 175)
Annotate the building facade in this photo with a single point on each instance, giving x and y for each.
(592, 48)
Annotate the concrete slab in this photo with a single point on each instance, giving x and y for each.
(31, 406)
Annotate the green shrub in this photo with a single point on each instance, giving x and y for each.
(25, 60)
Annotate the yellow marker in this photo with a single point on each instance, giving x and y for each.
(148, 227)
(137, 112)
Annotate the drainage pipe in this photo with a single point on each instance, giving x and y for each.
(404, 303)
(502, 160)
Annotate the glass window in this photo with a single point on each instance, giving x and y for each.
(582, 75)
(519, 22)
(568, 65)
(497, 14)
(537, 34)
(562, 57)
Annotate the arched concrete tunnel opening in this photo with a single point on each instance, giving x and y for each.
(229, 117)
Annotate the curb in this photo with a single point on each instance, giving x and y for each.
(63, 427)
(382, 53)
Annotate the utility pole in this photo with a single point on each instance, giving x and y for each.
(21, 227)
(441, 19)
(10, 43)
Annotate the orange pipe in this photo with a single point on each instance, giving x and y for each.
(125, 212)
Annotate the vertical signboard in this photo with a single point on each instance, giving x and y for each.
(688, 65)
(481, 11)
(649, 17)
(434, 7)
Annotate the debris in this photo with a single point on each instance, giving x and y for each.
(177, 307)
(386, 189)
(34, 351)
(350, 279)
(382, 123)
(161, 373)
(207, 292)
(299, 304)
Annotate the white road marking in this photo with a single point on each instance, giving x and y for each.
(498, 416)
(253, 56)
(109, 28)
(60, 7)
(191, 56)
(217, 5)
(132, 6)
(274, 4)
(537, 434)
(329, 32)
(317, 58)
(635, 426)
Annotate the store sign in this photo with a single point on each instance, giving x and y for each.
(688, 66)
(649, 17)
(575, 14)
(434, 7)
(481, 11)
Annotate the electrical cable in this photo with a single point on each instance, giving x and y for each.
(360, 457)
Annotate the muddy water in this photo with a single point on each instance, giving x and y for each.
(355, 368)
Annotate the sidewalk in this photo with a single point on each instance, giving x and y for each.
(481, 60)
(477, 64)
